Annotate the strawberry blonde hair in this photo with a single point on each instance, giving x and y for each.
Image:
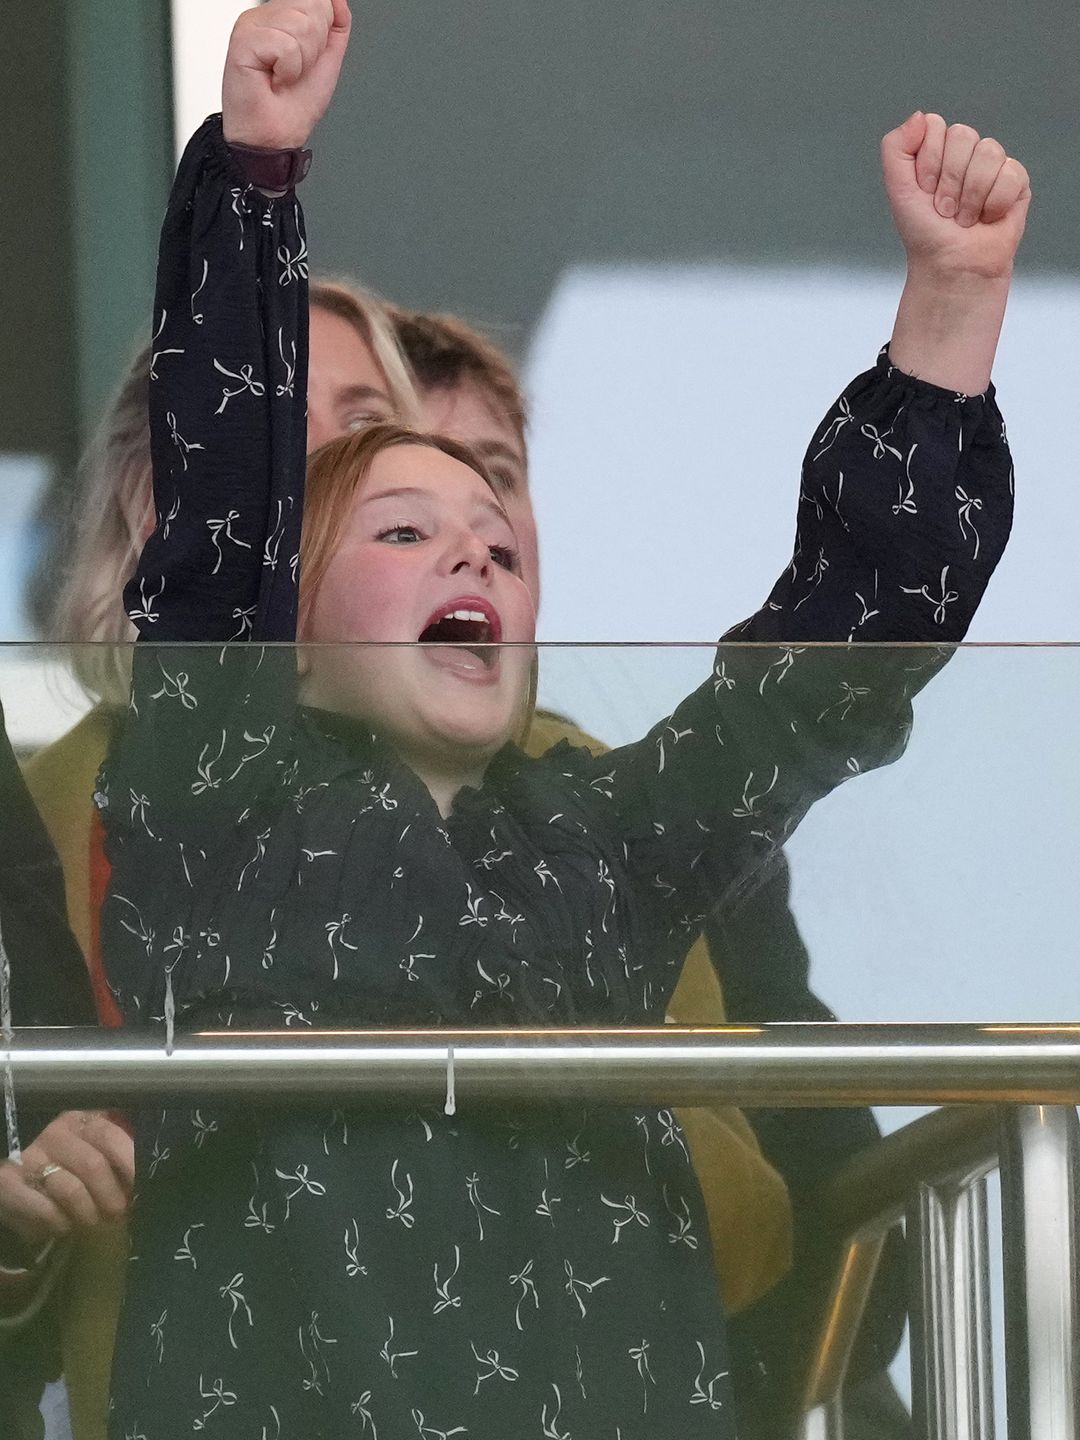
(337, 471)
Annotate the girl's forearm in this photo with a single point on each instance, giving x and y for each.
(947, 328)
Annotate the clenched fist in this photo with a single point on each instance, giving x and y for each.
(281, 70)
(958, 200)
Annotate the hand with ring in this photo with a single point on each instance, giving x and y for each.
(77, 1174)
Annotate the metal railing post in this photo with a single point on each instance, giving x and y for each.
(823, 1396)
(929, 1304)
(1040, 1191)
(951, 1357)
(972, 1230)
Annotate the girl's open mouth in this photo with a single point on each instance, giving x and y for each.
(467, 632)
(471, 626)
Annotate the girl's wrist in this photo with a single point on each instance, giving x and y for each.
(957, 284)
(947, 327)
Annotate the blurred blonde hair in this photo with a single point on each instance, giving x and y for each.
(112, 509)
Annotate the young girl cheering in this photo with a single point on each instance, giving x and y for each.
(361, 842)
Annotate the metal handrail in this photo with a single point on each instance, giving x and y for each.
(947, 1146)
(762, 1065)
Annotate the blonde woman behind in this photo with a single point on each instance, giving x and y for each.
(357, 375)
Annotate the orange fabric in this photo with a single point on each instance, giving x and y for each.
(100, 870)
(61, 779)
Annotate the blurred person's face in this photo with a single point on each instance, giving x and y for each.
(346, 386)
(427, 554)
(466, 413)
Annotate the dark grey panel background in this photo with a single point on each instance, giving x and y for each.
(37, 322)
(477, 149)
(85, 159)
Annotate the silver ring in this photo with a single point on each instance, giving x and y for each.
(36, 1180)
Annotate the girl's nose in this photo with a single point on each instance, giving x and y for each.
(469, 554)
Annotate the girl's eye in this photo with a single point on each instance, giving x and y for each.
(401, 535)
(504, 556)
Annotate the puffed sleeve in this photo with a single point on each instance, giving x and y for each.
(904, 511)
(208, 727)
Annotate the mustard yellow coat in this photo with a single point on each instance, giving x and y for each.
(746, 1200)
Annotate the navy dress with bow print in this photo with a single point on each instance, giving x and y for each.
(397, 1274)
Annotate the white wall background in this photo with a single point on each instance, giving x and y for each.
(200, 38)
(671, 409)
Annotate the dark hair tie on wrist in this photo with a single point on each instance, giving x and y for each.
(271, 169)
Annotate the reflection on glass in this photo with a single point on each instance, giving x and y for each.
(204, 714)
